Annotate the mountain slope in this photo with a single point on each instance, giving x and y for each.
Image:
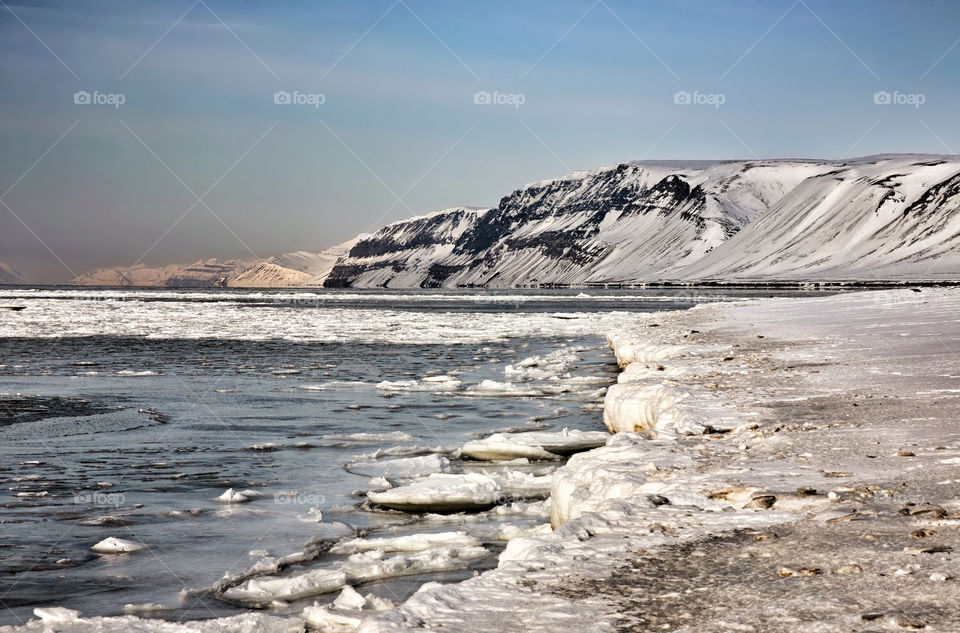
(296, 269)
(299, 268)
(623, 224)
(880, 218)
(209, 273)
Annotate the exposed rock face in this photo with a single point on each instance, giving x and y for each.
(880, 217)
(894, 216)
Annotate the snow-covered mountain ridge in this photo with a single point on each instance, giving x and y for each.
(888, 217)
(299, 268)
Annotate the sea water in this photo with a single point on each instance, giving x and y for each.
(127, 413)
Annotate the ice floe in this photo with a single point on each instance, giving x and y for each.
(324, 619)
(231, 496)
(446, 493)
(494, 389)
(114, 545)
(56, 615)
(430, 383)
(545, 367)
(534, 444)
(403, 468)
(408, 543)
(358, 568)
(64, 620)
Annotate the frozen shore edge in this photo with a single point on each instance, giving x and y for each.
(731, 426)
(737, 421)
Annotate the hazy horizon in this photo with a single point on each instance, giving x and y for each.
(160, 132)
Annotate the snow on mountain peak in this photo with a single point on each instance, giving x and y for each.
(682, 220)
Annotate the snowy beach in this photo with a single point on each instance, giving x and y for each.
(824, 501)
(783, 464)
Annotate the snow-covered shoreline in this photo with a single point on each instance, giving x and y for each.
(808, 444)
(780, 375)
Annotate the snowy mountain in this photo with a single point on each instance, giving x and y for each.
(300, 268)
(878, 218)
(9, 275)
(875, 217)
(209, 273)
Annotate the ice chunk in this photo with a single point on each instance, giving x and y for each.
(494, 389)
(441, 378)
(313, 515)
(545, 367)
(496, 448)
(404, 468)
(632, 407)
(628, 349)
(113, 545)
(430, 383)
(669, 408)
(233, 496)
(534, 444)
(409, 543)
(262, 446)
(245, 623)
(349, 599)
(147, 607)
(373, 565)
(325, 620)
(377, 603)
(389, 436)
(443, 493)
(312, 583)
(56, 615)
(508, 532)
(358, 568)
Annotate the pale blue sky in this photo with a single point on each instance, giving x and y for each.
(597, 81)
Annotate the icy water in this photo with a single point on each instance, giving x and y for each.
(127, 413)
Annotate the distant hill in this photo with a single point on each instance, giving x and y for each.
(299, 268)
